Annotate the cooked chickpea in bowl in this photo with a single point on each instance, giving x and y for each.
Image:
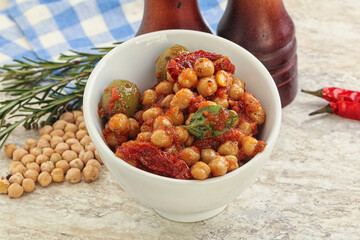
(197, 122)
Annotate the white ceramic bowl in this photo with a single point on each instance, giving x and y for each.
(180, 200)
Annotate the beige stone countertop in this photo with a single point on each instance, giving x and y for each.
(309, 188)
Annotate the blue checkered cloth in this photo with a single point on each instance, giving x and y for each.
(46, 28)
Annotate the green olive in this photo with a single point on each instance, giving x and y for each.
(121, 96)
(166, 55)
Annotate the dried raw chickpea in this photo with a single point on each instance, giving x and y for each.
(16, 178)
(55, 140)
(29, 144)
(85, 140)
(77, 163)
(72, 141)
(79, 120)
(9, 150)
(82, 126)
(68, 135)
(219, 166)
(19, 153)
(44, 179)
(86, 156)
(164, 87)
(160, 138)
(33, 166)
(229, 148)
(90, 146)
(152, 113)
(204, 67)
(47, 166)
(182, 98)
(82, 133)
(134, 129)
(190, 155)
(15, 190)
(41, 159)
(28, 184)
(73, 175)
(36, 151)
(68, 117)
(64, 165)
(19, 168)
(14, 164)
(90, 173)
(200, 170)
(59, 124)
(208, 154)
(233, 162)
(57, 175)
(149, 97)
(4, 185)
(43, 143)
(94, 163)
(47, 129)
(70, 127)
(77, 114)
(69, 155)
(97, 157)
(61, 148)
(28, 158)
(207, 86)
(47, 137)
(48, 151)
(57, 132)
(55, 157)
(77, 147)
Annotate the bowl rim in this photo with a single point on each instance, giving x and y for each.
(98, 139)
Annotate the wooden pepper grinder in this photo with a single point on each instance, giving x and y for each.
(171, 14)
(265, 29)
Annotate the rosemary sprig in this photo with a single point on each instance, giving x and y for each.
(40, 90)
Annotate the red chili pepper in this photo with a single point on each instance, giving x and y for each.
(333, 94)
(345, 109)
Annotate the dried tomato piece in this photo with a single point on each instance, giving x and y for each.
(151, 159)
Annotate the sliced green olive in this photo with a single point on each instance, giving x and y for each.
(121, 96)
(166, 55)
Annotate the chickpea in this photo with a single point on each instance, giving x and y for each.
(55, 157)
(138, 115)
(143, 137)
(118, 123)
(33, 166)
(176, 116)
(165, 103)
(16, 178)
(61, 148)
(222, 102)
(48, 151)
(68, 135)
(223, 78)
(87, 139)
(182, 98)
(77, 147)
(183, 134)
(237, 81)
(164, 87)
(36, 151)
(233, 162)
(47, 166)
(28, 185)
(59, 124)
(97, 157)
(79, 120)
(68, 117)
(160, 138)
(247, 127)
(77, 114)
(162, 121)
(47, 129)
(57, 175)
(169, 78)
(55, 140)
(248, 145)
(149, 97)
(70, 127)
(77, 163)
(207, 86)
(15, 190)
(44, 179)
(190, 141)
(188, 78)
(85, 156)
(94, 163)
(82, 133)
(72, 141)
(9, 150)
(187, 122)
(4, 185)
(152, 113)
(207, 155)
(90, 173)
(218, 166)
(32, 174)
(69, 155)
(236, 92)
(43, 143)
(28, 158)
(200, 170)
(73, 175)
(47, 137)
(172, 149)
(82, 126)
(29, 144)
(190, 155)
(229, 148)
(19, 153)
(57, 132)
(258, 116)
(91, 147)
(41, 159)
(20, 168)
(145, 128)
(134, 129)
(204, 67)
(177, 87)
(253, 106)
(14, 164)
(63, 164)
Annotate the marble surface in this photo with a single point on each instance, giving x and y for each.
(309, 188)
